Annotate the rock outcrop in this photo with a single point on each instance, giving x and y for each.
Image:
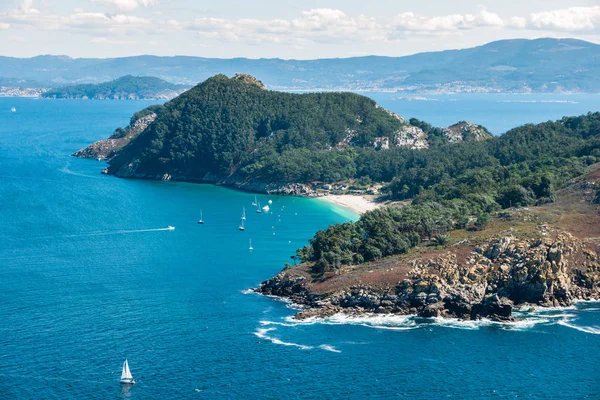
(552, 270)
(465, 131)
(250, 80)
(412, 137)
(105, 149)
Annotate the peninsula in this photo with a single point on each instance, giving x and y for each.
(482, 224)
(233, 131)
(125, 88)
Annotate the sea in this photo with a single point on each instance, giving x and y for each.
(90, 275)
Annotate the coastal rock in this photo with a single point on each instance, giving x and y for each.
(106, 149)
(500, 275)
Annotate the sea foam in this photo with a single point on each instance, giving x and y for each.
(263, 334)
(594, 330)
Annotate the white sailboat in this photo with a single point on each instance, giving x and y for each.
(201, 221)
(126, 374)
(243, 213)
(258, 210)
(266, 208)
(242, 226)
(255, 202)
(251, 248)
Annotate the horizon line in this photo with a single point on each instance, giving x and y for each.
(307, 59)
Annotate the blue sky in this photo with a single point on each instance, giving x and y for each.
(285, 29)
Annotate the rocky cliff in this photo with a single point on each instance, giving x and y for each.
(106, 149)
(553, 269)
(465, 131)
(414, 137)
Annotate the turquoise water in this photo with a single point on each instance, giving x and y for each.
(89, 277)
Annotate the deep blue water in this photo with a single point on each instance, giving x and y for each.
(87, 279)
(497, 112)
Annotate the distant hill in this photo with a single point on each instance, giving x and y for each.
(125, 88)
(541, 65)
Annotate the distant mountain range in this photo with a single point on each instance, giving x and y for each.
(125, 88)
(520, 65)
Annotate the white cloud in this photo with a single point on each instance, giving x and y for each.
(570, 19)
(105, 40)
(310, 27)
(517, 23)
(318, 25)
(79, 20)
(27, 7)
(409, 21)
(129, 5)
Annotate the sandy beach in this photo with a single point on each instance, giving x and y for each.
(359, 204)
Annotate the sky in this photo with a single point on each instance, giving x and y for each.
(301, 29)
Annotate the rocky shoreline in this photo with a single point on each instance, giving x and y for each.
(253, 186)
(553, 270)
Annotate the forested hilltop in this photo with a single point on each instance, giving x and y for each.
(234, 129)
(125, 88)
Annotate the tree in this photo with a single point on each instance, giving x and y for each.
(482, 221)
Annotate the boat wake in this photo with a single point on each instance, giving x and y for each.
(68, 171)
(102, 233)
(119, 232)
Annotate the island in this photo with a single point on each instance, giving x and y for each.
(477, 225)
(125, 88)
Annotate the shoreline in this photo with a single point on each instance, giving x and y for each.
(357, 203)
(360, 204)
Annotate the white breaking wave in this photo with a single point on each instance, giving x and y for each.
(527, 319)
(460, 323)
(586, 301)
(545, 310)
(594, 330)
(267, 323)
(262, 333)
(329, 348)
(378, 321)
(410, 322)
